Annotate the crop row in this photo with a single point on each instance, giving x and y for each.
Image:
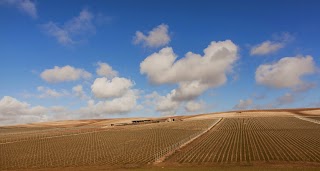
(19, 136)
(250, 140)
(160, 156)
(128, 145)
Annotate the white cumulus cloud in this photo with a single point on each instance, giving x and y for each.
(286, 73)
(115, 94)
(193, 73)
(120, 105)
(268, 46)
(189, 90)
(26, 6)
(13, 111)
(105, 70)
(163, 104)
(106, 88)
(157, 37)
(66, 73)
(166, 103)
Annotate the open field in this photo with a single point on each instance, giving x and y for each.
(181, 168)
(239, 140)
(115, 146)
(248, 141)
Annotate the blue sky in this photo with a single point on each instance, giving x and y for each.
(259, 55)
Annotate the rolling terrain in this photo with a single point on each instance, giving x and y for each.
(273, 138)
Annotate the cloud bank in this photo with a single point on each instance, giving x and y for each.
(13, 111)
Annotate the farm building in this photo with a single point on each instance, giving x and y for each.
(171, 119)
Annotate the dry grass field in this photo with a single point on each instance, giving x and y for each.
(249, 139)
